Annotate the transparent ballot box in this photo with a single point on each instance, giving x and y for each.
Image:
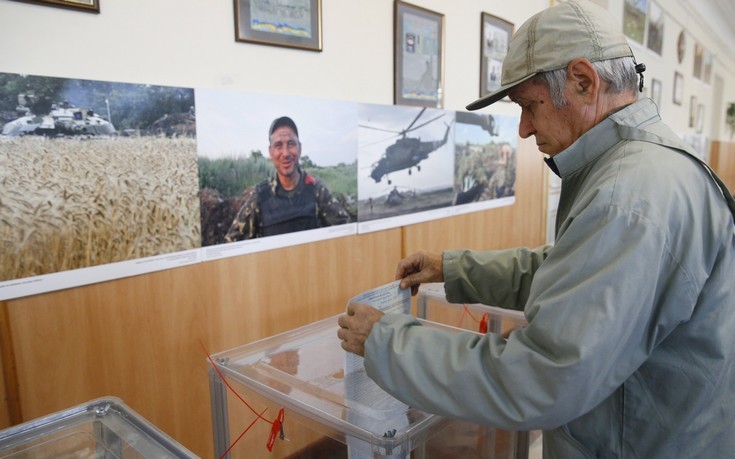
(346, 415)
(432, 304)
(101, 428)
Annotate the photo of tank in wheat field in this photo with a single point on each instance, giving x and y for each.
(94, 172)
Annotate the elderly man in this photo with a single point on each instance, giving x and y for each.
(629, 349)
(292, 200)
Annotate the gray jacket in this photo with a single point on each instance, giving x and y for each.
(630, 345)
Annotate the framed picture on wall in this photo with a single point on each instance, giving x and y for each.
(692, 111)
(90, 6)
(655, 37)
(678, 88)
(495, 35)
(700, 118)
(681, 46)
(656, 91)
(418, 56)
(698, 60)
(289, 23)
(634, 19)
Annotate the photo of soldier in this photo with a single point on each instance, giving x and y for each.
(290, 201)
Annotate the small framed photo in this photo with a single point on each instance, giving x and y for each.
(90, 6)
(289, 23)
(698, 60)
(692, 111)
(656, 91)
(700, 118)
(678, 88)
(418, 56)
(496, 33)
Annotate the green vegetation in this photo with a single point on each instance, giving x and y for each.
(131, 106)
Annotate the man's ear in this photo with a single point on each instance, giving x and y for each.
(584, 78)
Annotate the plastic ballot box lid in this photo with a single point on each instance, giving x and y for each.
(431, 304)
(305, 370)
(100, 428)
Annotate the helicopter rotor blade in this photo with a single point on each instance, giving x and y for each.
(378, 129)
(423, 109)
(424, 124)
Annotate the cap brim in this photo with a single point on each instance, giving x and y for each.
(496, 95)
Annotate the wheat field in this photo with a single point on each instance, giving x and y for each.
(72, 203)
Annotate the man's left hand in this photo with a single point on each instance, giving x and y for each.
(355, 327)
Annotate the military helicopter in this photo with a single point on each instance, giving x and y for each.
(63, 119)
(406, 152)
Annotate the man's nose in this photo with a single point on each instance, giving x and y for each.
(525, 127)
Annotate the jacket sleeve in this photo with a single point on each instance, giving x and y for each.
(246, 222)
(592, 322)
(330, 210)
(499, 278)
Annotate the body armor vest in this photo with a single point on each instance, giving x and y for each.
(281, 214)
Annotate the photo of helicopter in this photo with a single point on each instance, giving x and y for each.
(406, 152)
(405, 161)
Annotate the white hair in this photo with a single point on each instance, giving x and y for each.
(619, 73)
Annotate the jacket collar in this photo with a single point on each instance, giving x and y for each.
(593, 143)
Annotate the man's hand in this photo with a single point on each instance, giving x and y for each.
(356, 326)
(419, 268)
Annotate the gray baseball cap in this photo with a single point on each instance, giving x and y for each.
(551, 39)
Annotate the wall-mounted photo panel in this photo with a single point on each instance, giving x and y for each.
(289, 23)
(89, 6)
(405, 165)
(678, 95)
(484, 161)
(495, 35)
(681, 47)
(656, 91)
(655, 28)
(692, 111)
(244, 208)
(634, 19)
(94, 173)
(418, 56)
(698, 61)
(700, 118)
(707, 67)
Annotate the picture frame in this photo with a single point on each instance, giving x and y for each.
(287, 23)
(635, 14)
(89, 6)
(700, 118)
(681, 47)
(495, 35)
(655, 35)
(678, 88)
(692, 111)
(418, 56)
(656, 91)
(698, 61)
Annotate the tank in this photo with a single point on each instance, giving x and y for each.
(63, 119)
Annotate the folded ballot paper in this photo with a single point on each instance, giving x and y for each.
(379, 411)
(388, 298)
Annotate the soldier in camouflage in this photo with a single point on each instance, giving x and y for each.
(292, 200)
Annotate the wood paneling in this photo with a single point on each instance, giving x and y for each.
(722, 160)
(138, 338)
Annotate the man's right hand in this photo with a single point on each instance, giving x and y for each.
(421, 267)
